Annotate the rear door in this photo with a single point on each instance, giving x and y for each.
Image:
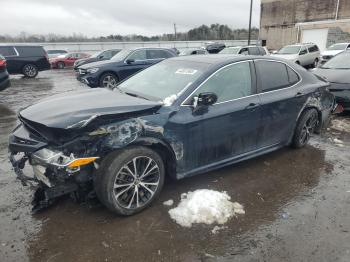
(281, 101)
(227, 129)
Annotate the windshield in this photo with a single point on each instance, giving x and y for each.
(338, 47)
(121, 55)
(341, 61)
(289, 50)
(230, 50)
(164, 80)
(96, 54)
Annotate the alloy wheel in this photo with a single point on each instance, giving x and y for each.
(308, 128)
(109, 81)
(136, 182)
(30, 70)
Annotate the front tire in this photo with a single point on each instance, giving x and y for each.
(128, 181)
(306, 125)
(109, 80)
(315, 64)
(30, 71)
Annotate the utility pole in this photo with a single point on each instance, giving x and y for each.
(250, 21)
(175, 32)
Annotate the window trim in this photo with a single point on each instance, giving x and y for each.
(259, 91)
(253, 81)
(14, 48)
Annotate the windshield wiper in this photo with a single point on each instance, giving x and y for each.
(135, 95)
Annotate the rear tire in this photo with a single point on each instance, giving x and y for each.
(315, 64)
(30, 70)
(60, 65)
(127, 191)
(109, 80)
(307, 124)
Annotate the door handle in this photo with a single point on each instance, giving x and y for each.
(252, 106)
(299, 94)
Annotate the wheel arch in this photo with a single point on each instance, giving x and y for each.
(108, 72)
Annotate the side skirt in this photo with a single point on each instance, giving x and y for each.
(230, 161)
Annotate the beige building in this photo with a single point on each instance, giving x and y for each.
(322, 22)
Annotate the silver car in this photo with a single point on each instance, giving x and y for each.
(302, 54)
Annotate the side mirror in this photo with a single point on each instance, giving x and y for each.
(130, 61)
(100, 57)
(205, 99)
(302, 53)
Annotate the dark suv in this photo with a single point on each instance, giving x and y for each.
(4, 75)
(124, 64)
(25, 59)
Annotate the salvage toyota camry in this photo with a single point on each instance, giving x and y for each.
(181, 117)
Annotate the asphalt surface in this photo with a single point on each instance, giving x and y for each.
(297, 205)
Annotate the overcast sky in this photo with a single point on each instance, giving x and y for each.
(104, 17)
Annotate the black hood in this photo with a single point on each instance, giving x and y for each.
(78, 109)
(340, 76)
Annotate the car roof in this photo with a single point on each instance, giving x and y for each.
(220, 58)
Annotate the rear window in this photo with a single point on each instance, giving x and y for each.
(7, 51)
(254, 51)
(31, 51)
(273, 75)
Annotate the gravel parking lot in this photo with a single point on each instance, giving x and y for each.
(297, 205)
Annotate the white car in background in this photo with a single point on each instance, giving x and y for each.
(333, 50)
(302, 54)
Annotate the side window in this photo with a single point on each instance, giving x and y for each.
(273, 75)
(313, 48)
(244, 51)
(292, 76)
(138, 55)
(157, 54)
(7, 51)
(30, 51)
(262, 51)
(231, 82)
(114, 52)
(303, 51)
(254, 51)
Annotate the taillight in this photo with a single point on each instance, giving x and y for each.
(2, 63)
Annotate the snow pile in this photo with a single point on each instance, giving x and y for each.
(169, 202)
(341, 125)
(205, 206)
(216, 229)
(168, 101)
(338, 142)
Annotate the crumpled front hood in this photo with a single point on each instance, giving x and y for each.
(80, 108)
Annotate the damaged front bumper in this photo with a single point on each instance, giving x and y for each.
(54, 173)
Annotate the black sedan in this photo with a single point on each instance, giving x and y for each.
(337, 72)
(124, 64)
(4, 75)
(99, 56)
(182, 117)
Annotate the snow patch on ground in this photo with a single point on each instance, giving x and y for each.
(205, 206)
(169, 202)
(216, 229)
(341, 125)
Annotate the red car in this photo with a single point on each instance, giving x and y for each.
(67, 60)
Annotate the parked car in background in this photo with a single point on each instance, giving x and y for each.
(302, 54)
(4, 75)
(99, 56)
(192, 51)
(214, 48)
(245, 50)
(337, 72)
(67, 60)
(181, 117)
(332, 51)
(124, 64)
(56, 52)
(25, 59)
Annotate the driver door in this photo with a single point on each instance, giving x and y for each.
(224, 130)
(135, 62)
